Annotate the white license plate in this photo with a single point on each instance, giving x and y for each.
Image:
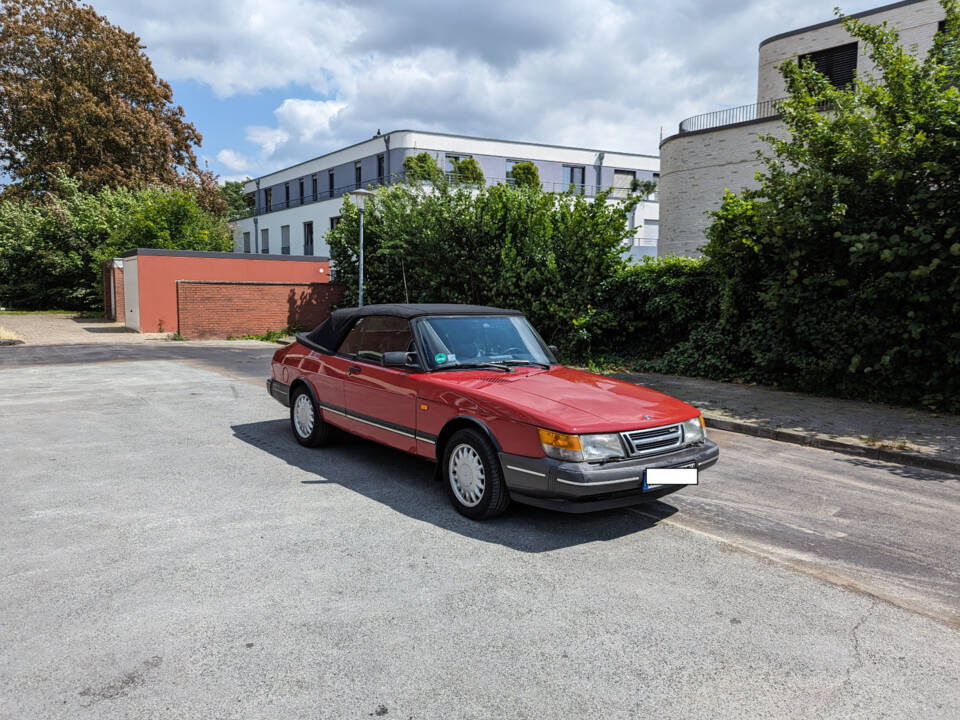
(671, 476)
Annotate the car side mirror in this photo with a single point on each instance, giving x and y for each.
(555, 350)
(399, 359)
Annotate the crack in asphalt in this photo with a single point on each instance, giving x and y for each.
(855, 641)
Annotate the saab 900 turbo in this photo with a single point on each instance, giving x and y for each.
(477, 390)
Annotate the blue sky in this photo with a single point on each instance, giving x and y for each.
(272, 83)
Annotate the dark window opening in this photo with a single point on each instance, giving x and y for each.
(838, 64)
(308, 238)
(265, 241)
(268, 199)
(330, 182)
(301, 192)
(334, 221)
(358, 174)
(246, 242)
(313, 187)
(380, 168)
(284, 239)
(286, 194)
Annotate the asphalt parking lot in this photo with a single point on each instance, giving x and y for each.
(168, 551)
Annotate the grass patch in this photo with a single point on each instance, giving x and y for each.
(8, 334)
(269, 336)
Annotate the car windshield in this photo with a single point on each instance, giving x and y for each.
(470, 340)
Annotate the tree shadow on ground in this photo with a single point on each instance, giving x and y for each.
(406, 483)
(904, 471)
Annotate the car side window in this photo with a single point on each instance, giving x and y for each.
(382, 334)
(352, 341)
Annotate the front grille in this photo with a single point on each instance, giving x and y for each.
(652, 441)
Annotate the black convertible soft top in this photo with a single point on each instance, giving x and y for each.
(327, 336)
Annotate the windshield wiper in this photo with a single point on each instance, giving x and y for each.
(527, 362)
(463, 366)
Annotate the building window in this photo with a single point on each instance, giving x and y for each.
(301, 191)
(839, 64)
(308, 238)
(450, 161)
(509, 173)
(334, 221)
(623, 183)
(284, 239)
(330, 183)
(313, 187)
(286, 195)
(573, 178)
(381, 171)
(246, 242)
(268, 199)
(655, 195)
(357, 174)
(265, 241)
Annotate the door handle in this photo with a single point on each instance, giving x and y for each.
(353, 369)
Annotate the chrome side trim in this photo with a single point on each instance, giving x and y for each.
(524, 470)
(602, 482)
(423, 439)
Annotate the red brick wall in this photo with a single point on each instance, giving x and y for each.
(109, 311)
(218, 309)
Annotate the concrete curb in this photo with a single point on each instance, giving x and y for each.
(847, 448)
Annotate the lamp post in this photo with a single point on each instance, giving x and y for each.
(360, 195)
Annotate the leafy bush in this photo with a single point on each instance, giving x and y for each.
(841, 272)
(547, 254)
(422, 168)
(468, 172)
(51, 250)
(525, 174)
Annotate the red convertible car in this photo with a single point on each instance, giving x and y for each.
(478, 391)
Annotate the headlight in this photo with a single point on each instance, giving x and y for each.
(601, 447)
(694, 431)
(577, 448)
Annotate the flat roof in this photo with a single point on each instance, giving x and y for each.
(225, 255)
(837, 21)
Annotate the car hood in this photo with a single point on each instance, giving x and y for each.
(561, 399)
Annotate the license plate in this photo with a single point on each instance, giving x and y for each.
(657, 477)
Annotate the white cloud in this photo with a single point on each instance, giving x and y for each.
(596, 73)
(233, 160)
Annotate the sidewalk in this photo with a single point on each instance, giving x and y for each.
(882, 432)
(72, 329)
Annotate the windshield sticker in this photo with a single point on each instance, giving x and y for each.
(451, 358)
(440, 358)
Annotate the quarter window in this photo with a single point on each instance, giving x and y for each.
(373, 336)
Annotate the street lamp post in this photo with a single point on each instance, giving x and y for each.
(360, 195)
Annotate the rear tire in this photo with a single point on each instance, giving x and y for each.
(472, 475)
(306, 422)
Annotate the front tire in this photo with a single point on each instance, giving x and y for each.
(472, 475)
(306, 422)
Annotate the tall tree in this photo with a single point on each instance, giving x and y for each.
(78, 95)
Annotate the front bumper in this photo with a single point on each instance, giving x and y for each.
(585, 487)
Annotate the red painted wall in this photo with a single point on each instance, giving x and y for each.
(158, 276)
(209, 310)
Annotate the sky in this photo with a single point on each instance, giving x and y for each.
(270, 83)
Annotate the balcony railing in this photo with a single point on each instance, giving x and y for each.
(557, 187)
(768, 109)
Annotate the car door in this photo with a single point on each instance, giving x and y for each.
(381, 401)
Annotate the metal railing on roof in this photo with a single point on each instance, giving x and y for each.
(768, 109)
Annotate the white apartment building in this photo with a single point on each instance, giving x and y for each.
(295, 207)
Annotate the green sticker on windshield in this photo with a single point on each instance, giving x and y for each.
(440, 358)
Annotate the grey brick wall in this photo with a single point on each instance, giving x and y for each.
(916, 23)
(695, 171)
